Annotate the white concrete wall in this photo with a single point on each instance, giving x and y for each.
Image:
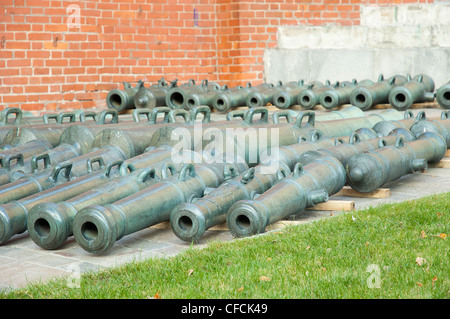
(391, 40)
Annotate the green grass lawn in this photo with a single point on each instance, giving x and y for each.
(391, 251)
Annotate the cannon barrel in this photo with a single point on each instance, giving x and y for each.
(199, 99)
(230, 98)
(441, 127)
(39, 162)
(22, 153)
(121, 100)
(309, 98)
(146, 169)
(378, 93)
(266, 94)
(345, 127)
(153, 96)
(189, 221)
(305, 187)
(348, 111)
(176, 97)
(51, 133)
(332, 98)
(343, 152)
(368, 171)
(96, 228)
(443, 96)
(419, 89)
(287, 97)
(383, 128)
(50, 177)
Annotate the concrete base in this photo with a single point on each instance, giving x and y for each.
(347, 64)
(395, 39)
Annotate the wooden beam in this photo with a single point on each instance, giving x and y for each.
(378, 193)
(425, 105)
(339, 205)
(447, 154)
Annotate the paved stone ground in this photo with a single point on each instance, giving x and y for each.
(22, 261)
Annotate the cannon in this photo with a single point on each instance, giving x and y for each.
(266, 94)
(309, 98)
(378, 93)
(230, 98)
(189, 221)
(332, 98)
(343, 152)
(121, 100)
(345, 127)
(306, 186)
(287, 97)
(96, 228)
(42, 161)
(134, 175)
(443, 96)
(383, 128)
(420, 89)
(153, 96)
(368, 171)
(176, 97)
(438, 126)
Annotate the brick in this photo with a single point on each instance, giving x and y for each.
(59, 46)
(80, 70)
(90, 62)
(32, 106)
(124, 14)
(36, 89)
(11, 27)
(55, 27)
(22, 80)
(16, 98)
(5, 54)
(57, 62)
(18, 62)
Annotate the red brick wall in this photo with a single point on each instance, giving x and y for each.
(47, 64)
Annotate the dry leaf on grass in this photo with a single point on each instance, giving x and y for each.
(423, 235)
(420, 261)
(240, 289)
(442, 235)
(264, 278)
(420, 284)
(156, 296)
(433, 280)
(190, 271)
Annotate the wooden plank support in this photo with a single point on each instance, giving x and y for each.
(338, 205)
(443, 163)
(378, 193)
(425, 105)
(447, 154)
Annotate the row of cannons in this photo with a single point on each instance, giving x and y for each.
(97, 181)
(399, 91)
